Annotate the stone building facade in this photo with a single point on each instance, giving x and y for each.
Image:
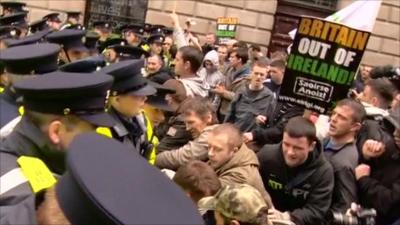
(256, 20)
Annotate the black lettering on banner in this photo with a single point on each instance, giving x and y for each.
(322, 64)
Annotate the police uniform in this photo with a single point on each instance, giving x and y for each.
(68, 24)
(28, 159)
(38, 25)
(128, 80)
(12, 7)
(24, 60)
(138, 30)
(92, 191)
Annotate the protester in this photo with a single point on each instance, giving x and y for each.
(252, 99)
(340, 149)
(297, 176)
(200, 119)
(211, 76)
(237, 70)
(378, 177)
(223, 58)
(198, 180)
(362, 77)
(233, 161)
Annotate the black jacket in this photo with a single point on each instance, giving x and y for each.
(17, 205)
(174, 136)
(248, 104)
(344, 159)
(8, 107)
(381, 190)
(305, 192)
(272, 132)
(161, 76)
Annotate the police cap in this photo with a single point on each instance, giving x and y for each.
(69, 39)
(38, 25)
(86, 65)
(31, 39)
(157, 29)
(91, 40)
(135, 28)
(9, 32)
(118, 187)
(126, 52)
(103, 25)
(30, 59)
(16, 19)
(156, 38)
(53, 17)
(111, 42)
(60, 93)
(158, 100)
(128, 78)
(13, 6)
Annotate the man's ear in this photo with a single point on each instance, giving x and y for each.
(312, 146)
(234, 222)
(187, 65)
(356, 127)
(54, 130)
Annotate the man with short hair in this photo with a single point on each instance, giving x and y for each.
(223, 58)
(341, 151)
(232, 160)
(187, 62)
(155, 70)
(237, 70)
(297, 176)
(276, 73)
(58, 106)
(209, 43)
(376, 98)
(199, 120)
(251, 100)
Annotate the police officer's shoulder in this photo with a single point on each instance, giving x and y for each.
(87, 192)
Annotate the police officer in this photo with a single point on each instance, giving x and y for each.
(53, 21)
(127, 52)
(86, 65)
(72, 42)
(20, 62)
(133, 34)
(86, 194)
(38, 25)
(155, 42)
(16, 19)
(127, 98)
(10, 7)
(104, 29)
(72, 20)
(92, 43)
(58, 106)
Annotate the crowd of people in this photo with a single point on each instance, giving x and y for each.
(145, 124)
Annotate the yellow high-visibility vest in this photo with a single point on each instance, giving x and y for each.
(151, 138)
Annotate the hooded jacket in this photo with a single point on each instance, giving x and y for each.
(305, 191)
(194, 86)
(242, 168)
(212, 79)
